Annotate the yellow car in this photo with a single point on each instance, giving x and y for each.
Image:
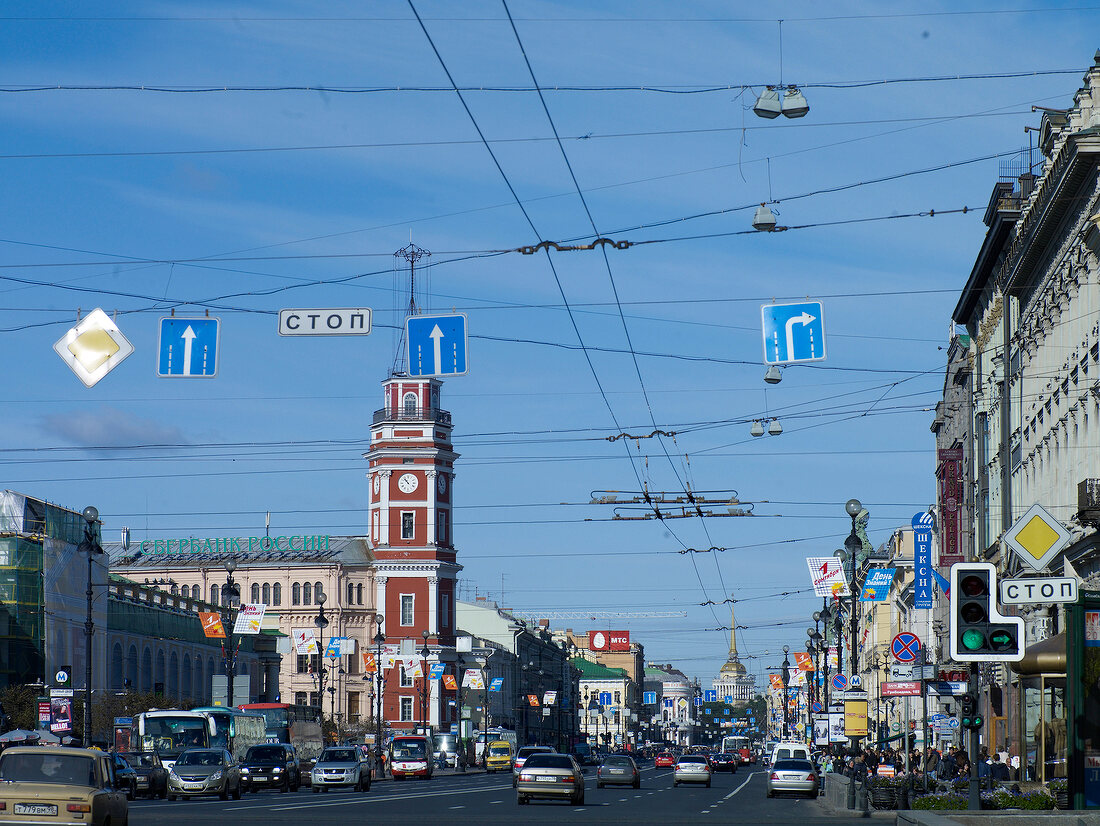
(499, 756)
(60, 785)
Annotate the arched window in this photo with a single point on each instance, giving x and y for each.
(199, 690)
(409, 404)
(359, 594)
(318, 590)
(277, 594)
(295, 594)
(194, 592)
(158, 673)
(351, 593)
(267, 594)
(173, 675)
(146, 671)
(131, 669)
(305, 594)
(116, 666)
(213, 594)
(185, 676)
(174, 590)
(255, 592)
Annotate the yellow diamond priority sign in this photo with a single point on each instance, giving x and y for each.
(1037, 537)
(94, 347)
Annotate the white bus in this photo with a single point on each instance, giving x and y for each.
(171, 731)
(739, 745)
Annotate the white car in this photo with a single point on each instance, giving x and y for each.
(691, 768)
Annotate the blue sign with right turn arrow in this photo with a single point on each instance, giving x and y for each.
(793, 332)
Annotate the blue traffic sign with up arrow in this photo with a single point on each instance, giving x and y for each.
(188, 348)
(793, 332)
(710, 695)
(436, 345)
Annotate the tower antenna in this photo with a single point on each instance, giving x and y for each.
(408, 302)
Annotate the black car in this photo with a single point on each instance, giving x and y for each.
(271, 766)
(125, 777)
(724, 762)
(152, 777)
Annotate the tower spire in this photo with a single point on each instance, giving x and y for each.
(733, 633)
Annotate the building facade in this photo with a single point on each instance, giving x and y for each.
(734, 680)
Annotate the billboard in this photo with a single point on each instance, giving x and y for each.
(608, 640)
(949, 477)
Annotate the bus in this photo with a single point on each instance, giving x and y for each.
(483, 738)
(739, 745)
(170, 732)
(298, 725)
(236, 731)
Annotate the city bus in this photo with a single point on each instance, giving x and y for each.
(298, 725)
(234, 730)
(739, 745)
(171, 732)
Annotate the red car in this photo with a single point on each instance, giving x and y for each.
(664, 760)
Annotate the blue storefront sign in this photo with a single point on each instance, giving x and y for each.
(922, 561)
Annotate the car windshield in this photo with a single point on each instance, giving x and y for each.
(624, 762)
(47, 767)
(140, 761)
(548, 761)
(409, 751)
(527, 751)
(499, 750)
(265, 753)
(339, 756)
(793, 765)
(200, 758)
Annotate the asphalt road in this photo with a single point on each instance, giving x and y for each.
(489, 799)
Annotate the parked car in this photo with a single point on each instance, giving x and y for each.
(725, 762)
(521, 758)
(547, 774)
(792, 777)
(618, 770)
(152, 777)
(664, 760)
(60, 785)
(125, 776)
(271, 766)
(205, 771)
(338, 766)
(691, 768)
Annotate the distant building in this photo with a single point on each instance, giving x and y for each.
(672, 720)
(733, 679)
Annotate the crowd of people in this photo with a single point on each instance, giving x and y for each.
(949, 765)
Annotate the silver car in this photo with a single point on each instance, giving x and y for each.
(792, 777)
(550, 775)
(338, 766)
(205, 771)
(691, 768)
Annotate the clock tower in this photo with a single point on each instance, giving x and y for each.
(410, 475)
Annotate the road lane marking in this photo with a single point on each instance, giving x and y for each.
(408, 796)
(743, 785)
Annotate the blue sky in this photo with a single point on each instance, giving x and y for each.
(244, 202)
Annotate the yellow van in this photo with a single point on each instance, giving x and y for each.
(499, 757)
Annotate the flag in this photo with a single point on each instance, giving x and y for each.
(777, 681)
(370, 665)
(449, 682)
(211, 624)
(805, 661)
(533, 700)
(412, 667)
(945, 586)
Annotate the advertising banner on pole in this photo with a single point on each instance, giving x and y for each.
(474, 679)
(922, 561)
(949, 476)
(876, 586)
(449, 682)
(827, 576)
(249, 618)
(370, 664)
(61, 714)
(211, 624)
(305, 641)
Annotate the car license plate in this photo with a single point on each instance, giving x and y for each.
(35, 809)
(544, 779)
(192, 785)
(618, 771)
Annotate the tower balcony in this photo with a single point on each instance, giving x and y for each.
(413, 414)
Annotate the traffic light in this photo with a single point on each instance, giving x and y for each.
(969, 717)
(978, 631)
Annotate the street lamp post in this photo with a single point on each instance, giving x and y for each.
(90, 546)
(232, 590)
(321, 621)
(425, 685)
(786, 682)
(379, 638)
(852, 546)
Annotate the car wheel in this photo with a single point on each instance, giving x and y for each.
(224, 793)
(316, 789)
(237, 792)
(637, 784)
(675, 783)
(283, 789)
(172, 797)
(599, 785)
(771, 794)
(580, 800)
(521, 800)
(708, 784)
(163, 792)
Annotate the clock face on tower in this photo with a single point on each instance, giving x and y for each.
(377, 483)
(441, 483)
(407, 483)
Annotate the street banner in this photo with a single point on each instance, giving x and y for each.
(821, 729)
(496, 684)
(949, 474)
(827, 576)
(305, 641)
(473, 678)
(449, 682)
(777, 681)
(834, 658)
(370, 664)
(436, 671)
(533, 700)
(335, 647)
(876, 586)
(855, 718)
(249, 618)
(389, 660)
(549, 698)
(211, 624)
(412, 667)
(945, 586)
(922, 561)
(804, 661)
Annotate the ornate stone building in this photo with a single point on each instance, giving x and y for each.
(733, 678)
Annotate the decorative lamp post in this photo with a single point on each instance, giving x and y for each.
(91, 547)
(786, 682)
(321, 621)
(379, 638)
(852, 546)
(230, 594)
(425, 686)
